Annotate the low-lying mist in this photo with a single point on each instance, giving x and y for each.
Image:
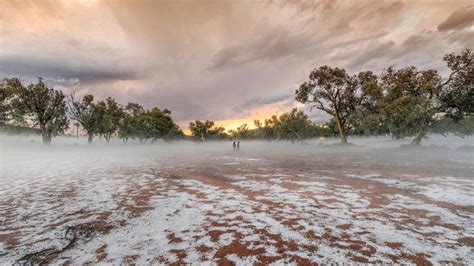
(24, 157)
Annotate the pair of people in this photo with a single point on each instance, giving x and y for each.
(236, 145)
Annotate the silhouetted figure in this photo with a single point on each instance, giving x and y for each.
(234, 145)
(238, 145)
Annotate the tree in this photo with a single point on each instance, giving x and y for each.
(85, 113)
(271, 128)
(11, 112)
(45, 107)
(258, 132)
(411, 101)
(368, 117)
(161, 125)
(293, 125)
(133, 123)
(296, 125)
(241, 132)
(109, 114)
(333, 91)
(201, 130)
(414, 99)
(461, 127)
(457, 100)
(147, 124)
(218, 133)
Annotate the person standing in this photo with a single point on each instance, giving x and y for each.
(233, 144)
(238, 145)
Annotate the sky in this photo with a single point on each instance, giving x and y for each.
(230, 61)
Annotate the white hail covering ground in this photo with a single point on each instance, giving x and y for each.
(267, 203)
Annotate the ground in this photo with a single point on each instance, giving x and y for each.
(268, 203)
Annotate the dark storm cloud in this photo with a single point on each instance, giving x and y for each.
(261, 101)
(359, 40)
(464, 38)
(462, 18)
(375, 52)
(29, 67)
(272, 46)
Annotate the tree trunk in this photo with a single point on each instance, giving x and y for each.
(89, 138)
(340, 128)
(417, 140)
(46, 138)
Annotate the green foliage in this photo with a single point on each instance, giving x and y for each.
(132, 123)
(85, 113)
(218, 133)
(296, 125)
(161, 125)
(403, 101)
(293, 125)
(44, 107)
(413, 98)
(109, 113)
(333, 91)
(461, 127)
(138, 123)
(241, 132)
(465, 126)
(367, 117)
(11, 111)
(19, 130)
(204, 130)
(410, 100)
(458, 98)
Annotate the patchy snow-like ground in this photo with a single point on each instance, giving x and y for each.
(270, 203)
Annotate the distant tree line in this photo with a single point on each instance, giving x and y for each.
(133, 121)
(294, 126)
(405, 102)
(37, 108)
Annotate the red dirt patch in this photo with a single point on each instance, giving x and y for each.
(238, 249)
(418, 259)
(100, 253)
(173, 239)
(468, 241)
(344, 226)
(215, 234)
(394, 245)
(360, 259)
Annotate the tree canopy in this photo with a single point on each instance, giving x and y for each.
(85, 113)
(44, 107)
(205, 130)
(403, 102)
(141, 124)
(333, 91)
